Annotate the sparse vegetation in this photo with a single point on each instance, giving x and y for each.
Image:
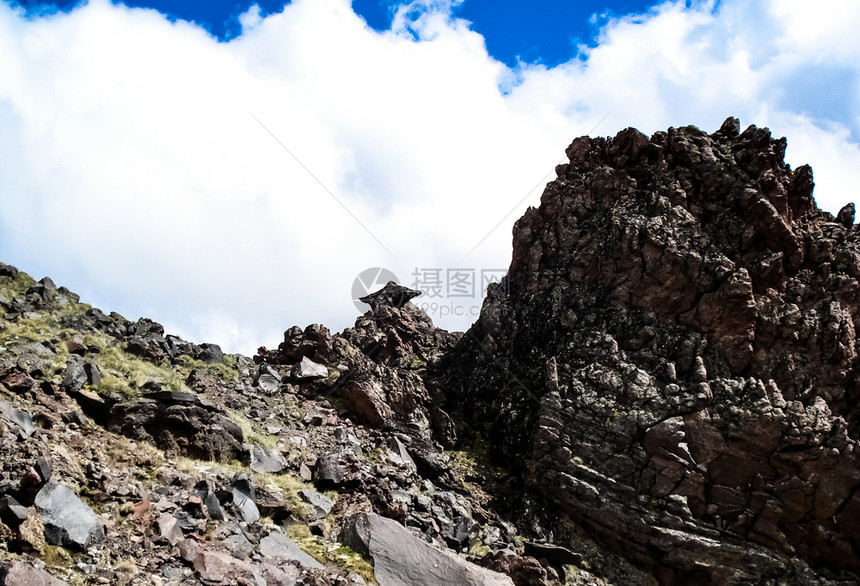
(126, 374)
(262, 439)
(332, 553)
(226, 371)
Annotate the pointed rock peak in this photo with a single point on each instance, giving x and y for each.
(392, 295)
(846, 215)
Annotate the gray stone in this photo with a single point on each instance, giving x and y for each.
(398, 455)
(243, 498)
(18, 419)
(268, 379)
(279, 575)
(213, 505)
(239, 546)
(74, 376)
(402, 559)
(307, 369)
(321, 503)
(277, 546)
(67, 520)
(266, 460)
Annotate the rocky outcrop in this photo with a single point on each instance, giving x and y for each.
(180, 422)
(380, 371)
(670, 364)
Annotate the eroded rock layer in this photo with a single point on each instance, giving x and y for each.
(670, 363)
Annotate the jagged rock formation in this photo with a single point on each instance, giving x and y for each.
(670, 364)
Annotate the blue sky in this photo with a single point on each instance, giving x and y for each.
(544, 31)
(231, 172)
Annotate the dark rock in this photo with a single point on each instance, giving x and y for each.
(8, 271)
(336, 468)
(314, 342)
(68, 521)
(20, 421)
(268, 379)
(185, 521)
(553, 553)
(18, 381)
(93, 404)
(181, 422)
(667, 363)
(400, 558)
(12, 513)
(846, 215)
(461, 532)
(75, 345)
(211, 354)
(392, 295)
(80, 372)
(44, 467)
(213, 506)
(523, 570)
(44, 289)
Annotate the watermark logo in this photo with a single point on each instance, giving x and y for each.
(369, 281)
(447, 292)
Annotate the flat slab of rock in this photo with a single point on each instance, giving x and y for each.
(21, 420)
(243, 498)
(277, 546)
(402, 559)
(68, 520)
(19, 574)
(321, 503)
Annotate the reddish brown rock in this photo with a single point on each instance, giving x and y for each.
(671, 362)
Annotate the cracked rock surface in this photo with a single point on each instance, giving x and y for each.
(670, 364)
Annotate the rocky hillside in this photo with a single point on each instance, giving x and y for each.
(135, 457)
(670, 366)
(662, 391)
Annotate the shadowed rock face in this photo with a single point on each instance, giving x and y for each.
(670, 363)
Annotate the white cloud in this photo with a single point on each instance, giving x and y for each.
(132, 168)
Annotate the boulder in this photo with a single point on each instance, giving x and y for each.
(321, 503)
(21, 574)
(20, 421)
(402, 559)
(278, 547)
(181, 422)
(307, 370)
(263, 460)
(68, 521)
(243, 498)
